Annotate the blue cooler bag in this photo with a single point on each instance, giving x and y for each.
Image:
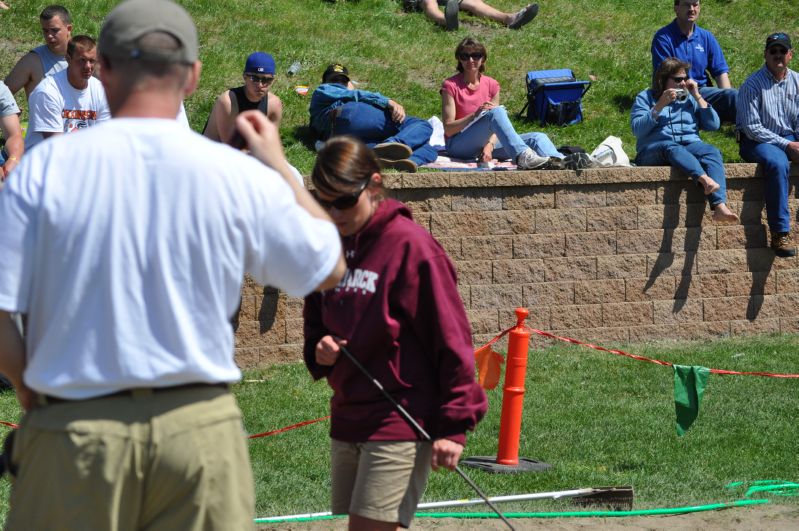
(554, 97)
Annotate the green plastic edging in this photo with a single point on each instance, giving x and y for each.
(567, 514)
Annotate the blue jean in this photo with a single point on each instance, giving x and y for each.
(374, 126)
(469, 143)
(722, 100)
(776, 170)
(695, 159)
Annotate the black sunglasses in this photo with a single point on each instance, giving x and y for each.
(342, 202)
(777, 51)
(260, 79)
(679, 79)
(466, 56)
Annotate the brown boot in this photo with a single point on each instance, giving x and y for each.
(782, 245)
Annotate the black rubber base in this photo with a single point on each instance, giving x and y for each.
(489, 464)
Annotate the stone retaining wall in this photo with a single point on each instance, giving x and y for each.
(609, 255)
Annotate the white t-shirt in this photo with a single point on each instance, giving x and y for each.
(55, 106)
(127, 250)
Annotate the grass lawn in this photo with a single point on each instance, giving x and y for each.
(406, 57)
(599, 419)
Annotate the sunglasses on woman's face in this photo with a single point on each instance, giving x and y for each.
(342, 202)
(466, 56)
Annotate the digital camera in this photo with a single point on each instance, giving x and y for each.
(681, 94)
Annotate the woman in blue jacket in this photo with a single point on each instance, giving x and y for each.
(666, 120)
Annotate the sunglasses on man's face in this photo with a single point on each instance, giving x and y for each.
(679, 79)
(777, 51)
(466, 56)
(263, 80)
(342, 202)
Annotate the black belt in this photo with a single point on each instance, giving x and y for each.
(44, 400)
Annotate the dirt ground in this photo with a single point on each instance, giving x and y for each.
(770, 517)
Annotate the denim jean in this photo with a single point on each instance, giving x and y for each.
(695, 159)
(776, 169)
(469, 143)
(722, 100)
(374, 126)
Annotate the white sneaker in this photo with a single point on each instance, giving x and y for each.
(528, 160)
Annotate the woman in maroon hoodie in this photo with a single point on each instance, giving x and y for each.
(399, 313)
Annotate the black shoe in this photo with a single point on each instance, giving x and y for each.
(392, 151)
(524, 16)
(782, 245)
(578, 161)
(451, 15)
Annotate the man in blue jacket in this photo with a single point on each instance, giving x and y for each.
(337, 108)
(686, 41)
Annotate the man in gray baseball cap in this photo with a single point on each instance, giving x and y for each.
(127, 252)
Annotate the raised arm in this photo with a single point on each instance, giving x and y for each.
(15, 144)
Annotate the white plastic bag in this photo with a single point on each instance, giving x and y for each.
(610, 153)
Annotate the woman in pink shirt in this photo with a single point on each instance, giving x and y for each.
(476, 125)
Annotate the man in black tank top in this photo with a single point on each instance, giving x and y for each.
(259, 74)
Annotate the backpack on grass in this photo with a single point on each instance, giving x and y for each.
(554, 97)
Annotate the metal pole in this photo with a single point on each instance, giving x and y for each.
(408, 418)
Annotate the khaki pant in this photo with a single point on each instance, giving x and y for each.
(379, 480)
(172, 460)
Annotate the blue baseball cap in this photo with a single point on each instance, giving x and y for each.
(260, 63)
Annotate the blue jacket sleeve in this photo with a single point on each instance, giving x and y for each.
(707, 118)
(641, 119)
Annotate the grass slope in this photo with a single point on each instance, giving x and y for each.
(404, 56)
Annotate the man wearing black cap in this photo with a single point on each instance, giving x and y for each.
(399, 141)
(126, 245)
(259, 74)
(768, 118)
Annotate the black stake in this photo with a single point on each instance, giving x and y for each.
(426, 436)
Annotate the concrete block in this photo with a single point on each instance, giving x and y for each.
(518, 271)
(660, 288)
(591, 243)
(576, 316)
(488, 247)
(557, 269)
(539, 245)
(496, 296)
(627, 314)
(599, 291)
(613, 218)
(548, 294)
(678, 311)
(560, 220)
(580, 196)
(474, 271)
(529, 198)
(621, 266)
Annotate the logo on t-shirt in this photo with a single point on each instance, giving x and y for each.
(359, 279)
(700, 48)
(76, 119)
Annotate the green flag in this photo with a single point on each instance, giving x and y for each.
(689, 386)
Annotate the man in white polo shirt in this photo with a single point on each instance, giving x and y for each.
(70, 100)
(127, 252)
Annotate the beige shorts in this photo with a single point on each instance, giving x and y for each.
(380, 480)
(162, 461)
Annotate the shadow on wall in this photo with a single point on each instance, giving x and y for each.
(266, 314)
(759, 258)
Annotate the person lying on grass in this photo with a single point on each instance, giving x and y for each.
(666, 120)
